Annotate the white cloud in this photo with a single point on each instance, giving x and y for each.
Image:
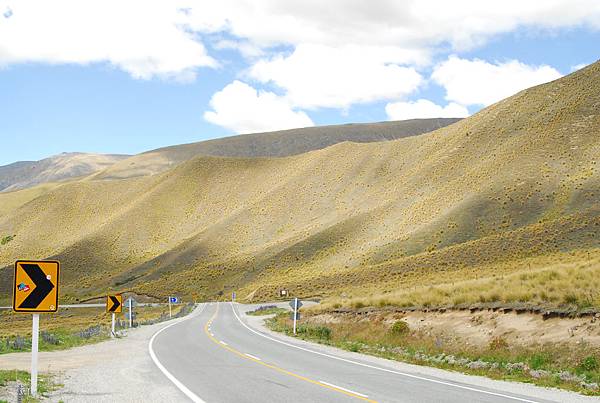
(477, 82)
(323, 76)
(423, 108)
(579, 66)
(408, 24)
(243, 109)
(144, 38)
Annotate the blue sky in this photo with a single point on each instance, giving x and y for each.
(202, 78)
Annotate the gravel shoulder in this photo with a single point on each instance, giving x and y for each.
(536, 392)
(112, 371)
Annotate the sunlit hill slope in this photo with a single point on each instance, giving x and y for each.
(517, 182)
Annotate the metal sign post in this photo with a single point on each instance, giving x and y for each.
(130, 313)
(295, 305)
(295, 313)
(172, 300)
(34, 353)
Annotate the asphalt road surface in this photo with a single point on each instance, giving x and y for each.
(215, 357)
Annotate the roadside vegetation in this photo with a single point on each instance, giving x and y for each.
(72, 327)
(11, 378)
(552, 365)
(266, 310)
(569, 286)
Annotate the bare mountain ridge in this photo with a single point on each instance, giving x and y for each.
(24, 174)
(280, 143)
(516, 182)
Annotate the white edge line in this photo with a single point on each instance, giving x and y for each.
(379, 368)
(170, 376)
(223, 343)
(252, 356)
(344, 389)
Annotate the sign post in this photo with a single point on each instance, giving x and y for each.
(34, 352)
(35, 290)
(295, 305)
(173, 300)
(130, 300)
(130, 303)
(114, 305)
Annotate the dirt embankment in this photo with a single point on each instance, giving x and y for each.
(480, 328)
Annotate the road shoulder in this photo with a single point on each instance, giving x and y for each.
(114, 370)
(516, 388)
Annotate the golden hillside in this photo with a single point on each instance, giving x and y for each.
(515, 186)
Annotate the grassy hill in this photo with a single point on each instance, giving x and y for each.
(513, 189)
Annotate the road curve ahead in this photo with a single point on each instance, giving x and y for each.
(214, 357)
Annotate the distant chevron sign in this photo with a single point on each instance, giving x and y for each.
(36, 286)
(114, 303)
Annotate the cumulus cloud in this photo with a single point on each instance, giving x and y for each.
(477, 82)
(243, 109)
(143, 38)
(322, 76)
(424, 108)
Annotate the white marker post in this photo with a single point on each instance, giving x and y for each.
(112, 326)
(170, 308)
(130, 314)
(34, 353)
(295, 313)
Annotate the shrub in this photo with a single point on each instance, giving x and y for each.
(537, 361)
(589, 363)
(498, 343)
(6, 239)
(399, 328)
(320, 332)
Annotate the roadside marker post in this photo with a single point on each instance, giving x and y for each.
(130, 314)
(35, 290)
(34, 353)
(295, 304)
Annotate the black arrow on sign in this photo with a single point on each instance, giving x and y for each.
(43, 286)
(115, 303)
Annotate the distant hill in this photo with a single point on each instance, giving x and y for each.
(24, 174)
(271, 144)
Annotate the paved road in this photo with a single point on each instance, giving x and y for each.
(214, 357)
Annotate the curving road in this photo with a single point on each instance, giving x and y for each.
(213, 356)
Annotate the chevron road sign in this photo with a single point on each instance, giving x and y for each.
(36, 286)
(114, 303)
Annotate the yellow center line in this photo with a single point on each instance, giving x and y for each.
(274, 367)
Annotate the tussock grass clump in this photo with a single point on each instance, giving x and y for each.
(575, 285)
